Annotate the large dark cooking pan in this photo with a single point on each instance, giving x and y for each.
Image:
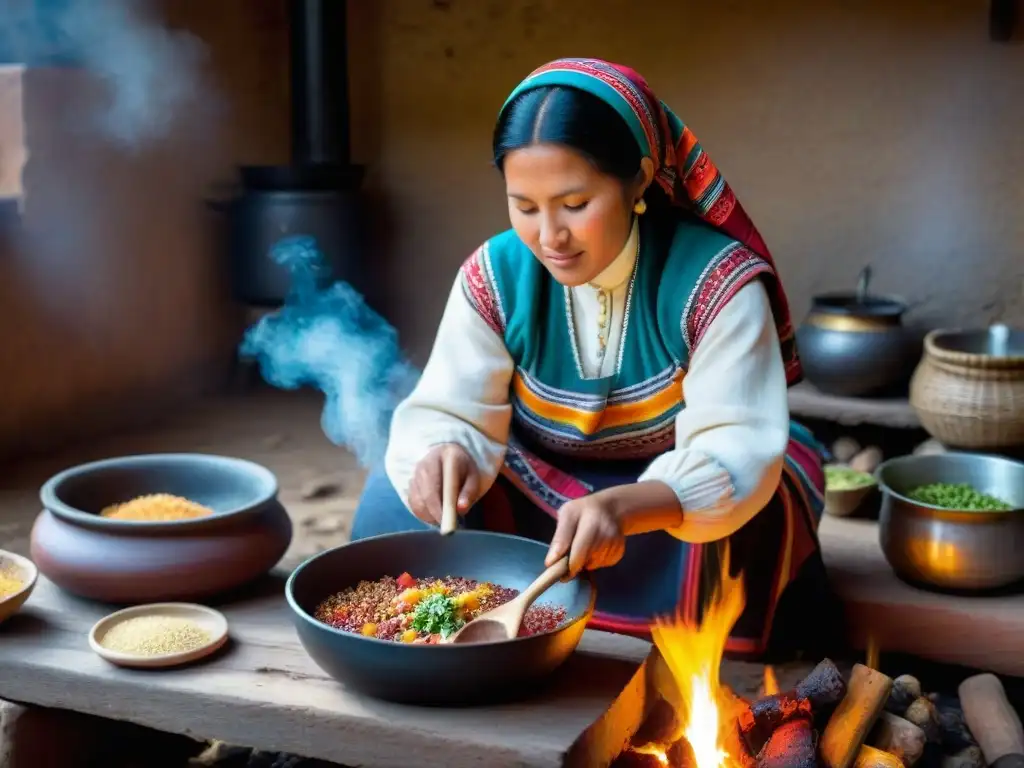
(436, 674)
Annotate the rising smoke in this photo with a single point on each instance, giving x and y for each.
(325, 337)
(328, 337)
(152, 74)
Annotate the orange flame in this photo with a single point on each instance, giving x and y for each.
(771, 683)
(693, 653)
(872, 653)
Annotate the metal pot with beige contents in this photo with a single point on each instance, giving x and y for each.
(374, 614)
(954, 520)
(159, 527)
(854, 344)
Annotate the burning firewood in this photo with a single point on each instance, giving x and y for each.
(661, 726)
(898, 736)
(759, 720)
(791, 745)
(856, 714)
(869, 757)
(765, 716)
(631, 759)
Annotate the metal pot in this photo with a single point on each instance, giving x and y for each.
(855, 344)
(946, 548)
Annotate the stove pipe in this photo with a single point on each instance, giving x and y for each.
(319, 75)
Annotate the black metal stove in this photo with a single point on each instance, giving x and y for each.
(317, 194)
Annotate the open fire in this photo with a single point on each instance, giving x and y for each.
(705, 710)
(864, 720)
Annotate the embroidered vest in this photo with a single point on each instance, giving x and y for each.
(684, 274)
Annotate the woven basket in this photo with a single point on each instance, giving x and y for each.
(970, 399)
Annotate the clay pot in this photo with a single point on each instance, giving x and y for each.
(968, 390)
(855, 345)
(125, 561)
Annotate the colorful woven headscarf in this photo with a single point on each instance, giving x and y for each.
(682, 168)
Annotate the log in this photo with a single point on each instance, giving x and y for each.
(869, 757)
(631, 759)
(899, 737)
(761, 719)
(680, 755)
(661, 726)
(856, 714)
(905, 689)
(923, 714)
(790, 746)
(823, 686)
(992, 720)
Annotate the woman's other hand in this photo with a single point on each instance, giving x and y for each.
(428, 480)
(589, 531)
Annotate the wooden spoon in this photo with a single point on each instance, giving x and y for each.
(449, 497)
(503, 622)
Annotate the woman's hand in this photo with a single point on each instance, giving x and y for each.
(428, 480)
(589, 531)
(593, 530)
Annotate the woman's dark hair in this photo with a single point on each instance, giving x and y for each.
(574, 118)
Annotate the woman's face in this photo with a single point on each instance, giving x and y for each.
(574, 218)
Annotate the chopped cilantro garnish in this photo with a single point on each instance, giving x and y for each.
(436, 615)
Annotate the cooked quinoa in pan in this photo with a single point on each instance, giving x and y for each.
(411, 610)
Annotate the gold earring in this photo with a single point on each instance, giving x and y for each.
(640, 207)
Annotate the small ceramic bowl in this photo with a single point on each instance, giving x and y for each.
(214, 622)
(132, 562)
(846, 502)
(25, 571)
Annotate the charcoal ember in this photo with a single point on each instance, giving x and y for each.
(661, 726)
(954, 734)
(905, 690)
(791, 745)
(823, 686)
(971, 757)
(924, 715)
(763, 717)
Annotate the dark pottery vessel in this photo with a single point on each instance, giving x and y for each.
(436, 674)
(126, 561)
(855, 345)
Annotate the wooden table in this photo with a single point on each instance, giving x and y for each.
(806, 401)
(981, 632)
(264, 691)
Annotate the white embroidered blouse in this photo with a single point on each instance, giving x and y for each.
(730, 437)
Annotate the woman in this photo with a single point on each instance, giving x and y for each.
(614, 369)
